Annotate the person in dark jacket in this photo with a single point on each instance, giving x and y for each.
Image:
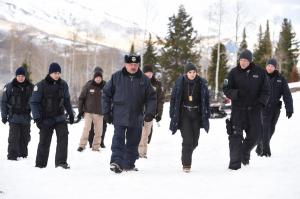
(279, 88)
(128, 101)
(89, 105)
(16, 110)
(50, 99)
(91, 133)
(189, 111)
(147, 128)
(248, 88)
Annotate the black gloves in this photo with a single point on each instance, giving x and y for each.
(71, 118)
(4, 120)
(108, 118)
(148, 118)
(80, 115)
(157, 118)
(38, 123)
(289, 114)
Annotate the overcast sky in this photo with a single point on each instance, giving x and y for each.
(254, 12)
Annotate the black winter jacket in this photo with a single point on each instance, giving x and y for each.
(176, 103)
(248, 87)
(128, 97)
(15, 102)
(280, 88)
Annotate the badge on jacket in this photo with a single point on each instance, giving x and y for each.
(255, 76)
(92, 91)
(35, 88)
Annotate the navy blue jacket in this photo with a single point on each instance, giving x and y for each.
(38, 97)
(280, 88)
(247, 87)
(22, 116)
(128, 97)
(177, 99)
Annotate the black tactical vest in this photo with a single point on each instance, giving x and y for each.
(52, 100)
(19, 99)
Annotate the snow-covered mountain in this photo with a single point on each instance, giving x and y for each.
(65, 18)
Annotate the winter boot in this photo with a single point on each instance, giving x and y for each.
(186, 168)
(267, 150)
(102, 145)
(259, 149)
(63, 165)
(115, 168)
(131, 169)
(80, 149)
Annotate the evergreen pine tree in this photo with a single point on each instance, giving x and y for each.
(132, 51)
(257, 54)
(286, 52)
(264, 49)
(179, 47)
(150, 56)
(213, 65)
(27, 71)
(243, 44)
(267, 46)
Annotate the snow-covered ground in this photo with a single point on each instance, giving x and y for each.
(160, 175)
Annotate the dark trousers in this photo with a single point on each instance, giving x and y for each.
(190, 132)
(18, 139)
(270, 118)
(240, 148)
(92, 134)
(46, 133)
(124, 146)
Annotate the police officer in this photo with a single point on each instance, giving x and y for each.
(128, 100)
(92, 133)
(279, 88)
(160, 96)
(248, 88)
(89, 104)
(49, 101)
(16, 110)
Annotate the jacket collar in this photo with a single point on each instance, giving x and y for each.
(138, 74)
(274, 74)
(251, 65)
(52, 81)
(16, 83)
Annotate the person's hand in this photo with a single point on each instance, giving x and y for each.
(4, 120)
(38, 123)
(148, 118)
(157, 118)
(289, 114)
(71, 118)
(108, 118)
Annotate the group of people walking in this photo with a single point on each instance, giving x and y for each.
(131, 99)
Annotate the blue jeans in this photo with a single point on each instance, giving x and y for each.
(125, 154)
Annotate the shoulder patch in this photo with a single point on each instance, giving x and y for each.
(4, 89)
(35, 88)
